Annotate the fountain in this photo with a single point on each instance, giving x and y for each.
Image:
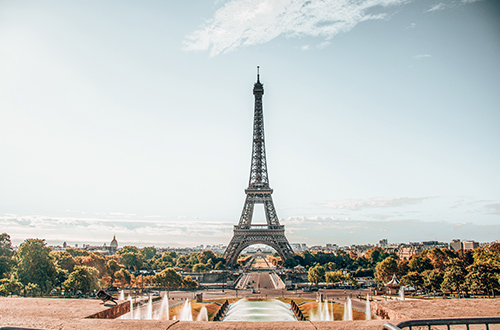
(203, 316)
(253, 311)
(122, 295)
(322, 313)
(402, 293)
(368, 310)
(149, 310)
(164, 309)
(186, 314)
(131, 307)
(348, 310)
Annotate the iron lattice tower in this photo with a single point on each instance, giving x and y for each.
(258, 192)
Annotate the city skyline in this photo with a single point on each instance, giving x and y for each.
(135, 119)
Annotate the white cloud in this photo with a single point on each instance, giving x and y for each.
(305, 47)
(377, 202)
(422, 56)
(241, 23)
(439, 6)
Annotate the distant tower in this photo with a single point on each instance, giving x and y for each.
(258, 192)
(113, 246)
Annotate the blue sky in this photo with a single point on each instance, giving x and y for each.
(135, 119)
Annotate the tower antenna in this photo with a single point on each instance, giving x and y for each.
(258, 75)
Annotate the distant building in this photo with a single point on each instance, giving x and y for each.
(469, 245)
(382, 243)
(455, 245)
(113, 246)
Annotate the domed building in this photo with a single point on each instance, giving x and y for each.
(113, 246)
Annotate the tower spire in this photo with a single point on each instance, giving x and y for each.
(258, 75)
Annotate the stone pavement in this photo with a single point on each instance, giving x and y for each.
(69, 314)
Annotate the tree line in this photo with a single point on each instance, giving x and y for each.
(444, 270)
(35, 270)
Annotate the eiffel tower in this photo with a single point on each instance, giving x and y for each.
(258, 192)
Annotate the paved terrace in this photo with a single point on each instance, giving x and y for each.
(63, 314)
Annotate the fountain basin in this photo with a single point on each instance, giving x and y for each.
(245, 310)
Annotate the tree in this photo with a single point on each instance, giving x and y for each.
(200, 268)
(419, 263)
(64, 260)
(350, 279)
(375, 255)
(189, 283)
(454, 275)
(6, 253)
(316, 274)
(168, 278)
(219, 266)
(132, 260)
(36, 266)
(111, 268)
(386, 269)
(148, 252)
(483, 276)
(291, 262)
(205, 256)
(123, 277)
(334, 277)
(413, 279)
(432, 279)
(10, 286)
(83, 278)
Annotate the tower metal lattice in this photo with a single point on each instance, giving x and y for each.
(258, 192)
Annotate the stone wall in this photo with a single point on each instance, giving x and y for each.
(112, 312)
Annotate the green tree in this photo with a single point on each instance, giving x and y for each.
(111, 268)
(219, 266)
(36, 266)
(64, 260)
(126, 249)
(375, 255)
(6, 253)
(132, 260)
(386, 269)
(168, 278)
(200, 268)
(334, 277)
(483, 276)
(454, 275)
(10, 286)
(148, 252)
(419, 263)
(350, 279)
(414, 279)
(83, 278)
(205, 256)
(316, 274)
(189, 283)
(432, 279)
(123, 276)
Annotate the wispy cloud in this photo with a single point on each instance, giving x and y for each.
(241, 23)
(493, 208)
(377, 202)
(418, 57)
(437, 7)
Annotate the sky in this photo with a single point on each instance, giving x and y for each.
(134, 119)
